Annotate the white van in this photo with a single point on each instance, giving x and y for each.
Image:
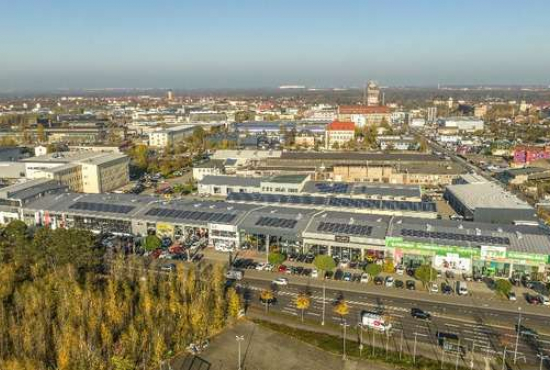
(374, 321)
(462, 288)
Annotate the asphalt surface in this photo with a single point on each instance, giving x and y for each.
(480, 328)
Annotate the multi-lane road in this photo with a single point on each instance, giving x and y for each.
(481, 329)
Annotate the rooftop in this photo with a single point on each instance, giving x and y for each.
(486, 195)
(291, 179)
(231, 181)
(341, 126)
(362, 109)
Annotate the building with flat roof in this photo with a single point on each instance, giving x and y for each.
(87, 171)
(488, 202)
(487, 249)
(363, 115)
(461, 123)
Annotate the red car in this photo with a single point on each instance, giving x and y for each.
(282, 268)
(532, 299)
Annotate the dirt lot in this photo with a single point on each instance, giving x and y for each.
(263, 349)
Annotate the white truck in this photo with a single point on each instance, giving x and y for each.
(374, 321)
(234, 274)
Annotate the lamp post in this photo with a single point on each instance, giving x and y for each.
(518, 329)
(239, 339)
(324, 301)
(345, 325)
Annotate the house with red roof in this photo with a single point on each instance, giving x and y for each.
(339, 133)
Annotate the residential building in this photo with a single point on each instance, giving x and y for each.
(169, 136)
(338, 134)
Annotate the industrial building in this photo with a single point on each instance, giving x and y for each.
(484, 201)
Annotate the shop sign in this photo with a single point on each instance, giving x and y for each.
(493, 253)
(165, 229)
(341, 238)
(441, 250)
(528, 257)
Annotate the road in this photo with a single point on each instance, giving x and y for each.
(471, 324)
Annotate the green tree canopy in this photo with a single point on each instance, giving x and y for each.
(324, 262)
(373, 269)
(276, 258)
(425, 274)
(152, 242)
(503, 286)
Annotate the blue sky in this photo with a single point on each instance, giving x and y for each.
(241, 43)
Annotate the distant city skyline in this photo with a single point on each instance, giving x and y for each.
(264, 44)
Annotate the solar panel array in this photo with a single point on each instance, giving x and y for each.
(334, 188)
(191, 215)
(102, 207)
(346, 229)
(454, 236)
(276, 222)
(334, 202)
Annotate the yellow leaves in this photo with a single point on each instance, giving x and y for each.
(302, 302)
(341, 308)
(233, 303)
(266, 295)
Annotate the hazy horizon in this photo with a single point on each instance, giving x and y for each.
(218, 45)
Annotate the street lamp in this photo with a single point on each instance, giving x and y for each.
(518, 329)
(542, 358)
(345, 325)
(239, 339)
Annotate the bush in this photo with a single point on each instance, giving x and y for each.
(152, 242)
(276, 258)
(324, 263)
(373, 269)
(503, 286)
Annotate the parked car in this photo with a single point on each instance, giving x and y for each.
(378, 280)
(338, 275)
(329, 275)
(347, 276)
(389, 281)
(434, 288)
(417, 313)
(399, 284)
(365, 277)
(282, 268)
(446, 289)
(168, 268)
(544, 300)
(314, 273)
(531, 298)
(411, 285)
(280, 281)
(512, 296)
(399, 270)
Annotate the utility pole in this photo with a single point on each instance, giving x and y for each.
(518, 329)
(239, 339)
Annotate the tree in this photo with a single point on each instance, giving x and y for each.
(373, 269)
(341, 309)
(425, 274)
(503, 286)
(389, 266)
(233, 303)
(324, 262)
(302, 303)
(276, 258)
(152, 242)
(267, 297)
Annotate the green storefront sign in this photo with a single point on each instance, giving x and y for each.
(443, 250)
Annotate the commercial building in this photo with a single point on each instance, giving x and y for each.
(339, 134)
(524, 155)
(462, 124)
(86, 172)
(487, 249)
(396, 142)
(488, 202)
(363, 115)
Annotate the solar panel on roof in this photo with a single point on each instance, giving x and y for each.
(102, 207)
(346, 229)
(276, 222)
(488, 239)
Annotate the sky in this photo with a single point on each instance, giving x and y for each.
(190, 44)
